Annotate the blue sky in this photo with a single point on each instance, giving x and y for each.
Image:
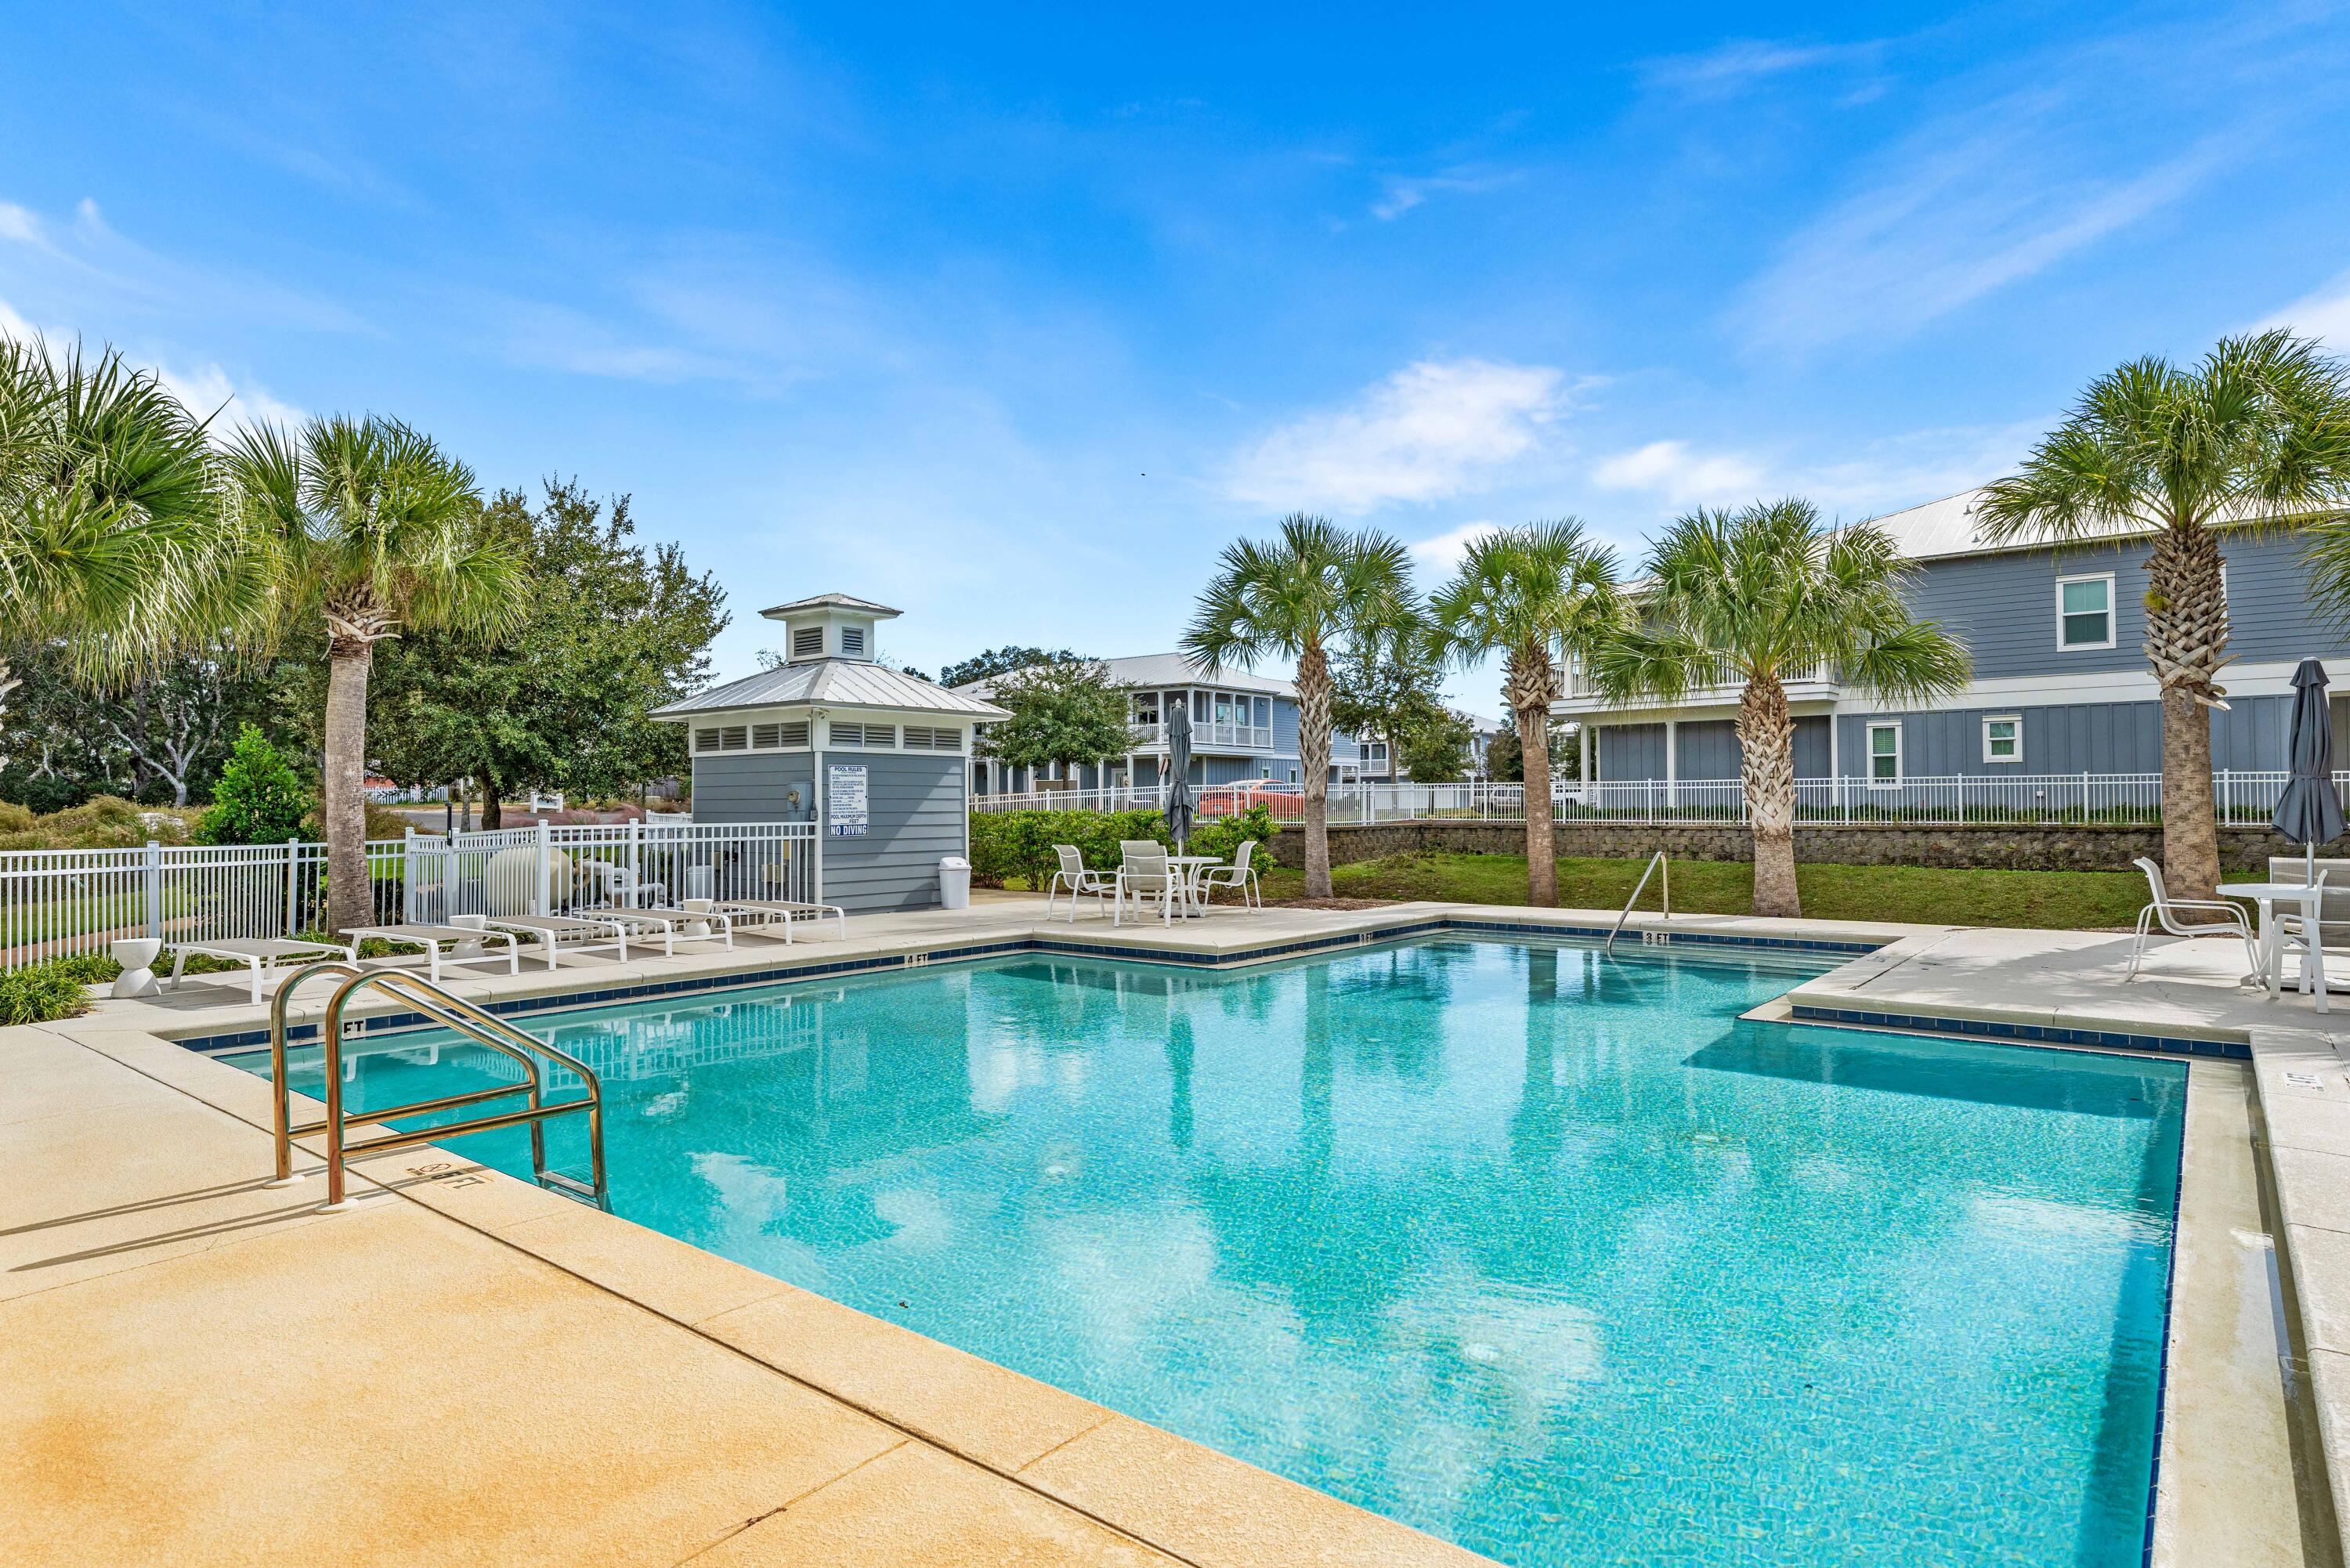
(1013, 320)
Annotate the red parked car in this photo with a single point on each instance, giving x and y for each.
(1286, 802)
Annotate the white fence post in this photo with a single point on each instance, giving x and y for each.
(293, 877)
(543, 902)
(636, 862)
(155, 889)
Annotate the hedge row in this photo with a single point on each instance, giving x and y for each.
(1005, 845)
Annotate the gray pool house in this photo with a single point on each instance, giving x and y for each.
(878, 760)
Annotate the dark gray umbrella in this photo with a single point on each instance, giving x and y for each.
(1179, 803)
(2309, 811)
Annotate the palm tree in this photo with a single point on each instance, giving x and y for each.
(1294, 597)
(113, 535)
(1758, 596)
(2258, 436)
(370, 527)
(1533, 595)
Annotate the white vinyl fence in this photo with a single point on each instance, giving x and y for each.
(57, 903)
(2050, 799)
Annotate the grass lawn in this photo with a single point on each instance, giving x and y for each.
(1926, 895)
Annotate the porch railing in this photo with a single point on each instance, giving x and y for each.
(61, 903)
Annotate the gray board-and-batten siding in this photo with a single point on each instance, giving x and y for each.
(2003, 608)
(916, 807)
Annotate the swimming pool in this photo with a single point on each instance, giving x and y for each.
(1543, 1251)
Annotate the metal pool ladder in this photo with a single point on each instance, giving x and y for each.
(483, 1029)
(1657, 863)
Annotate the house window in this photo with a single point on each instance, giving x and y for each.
(706, 740)
(1200, 707)
(1264, 712)
(808, 642)
(852, 640)
(766, 737)
(1292, 775)
(2084, 611)
(794, 734)
(866, 735)
(925, 738)
(2004, 738)
(1884, 753)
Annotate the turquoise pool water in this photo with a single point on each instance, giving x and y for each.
(1542, 1251)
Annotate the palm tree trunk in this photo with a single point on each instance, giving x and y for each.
(1766, 743)
(2186, 641)
(1532, 682)
(342, 805)
(1313, 759)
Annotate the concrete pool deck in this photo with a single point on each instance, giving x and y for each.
(200, 1369)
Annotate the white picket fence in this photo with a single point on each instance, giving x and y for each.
(1954, 800)
(58, 903)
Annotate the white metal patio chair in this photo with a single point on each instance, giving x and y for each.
(1144, 875)
(616, 885)
(1076, 878)
(2165, 911)
(1241, 874)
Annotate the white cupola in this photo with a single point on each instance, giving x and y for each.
(829, 625)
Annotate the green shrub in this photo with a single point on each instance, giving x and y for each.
(41, 993)
(258, 799)
(1007, 845)
(102, 821)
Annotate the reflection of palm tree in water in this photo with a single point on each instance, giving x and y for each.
(1316, 1137)
(1178, 1074)
(1534, 1129)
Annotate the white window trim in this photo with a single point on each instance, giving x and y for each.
(1868, 754)
(2113, 612)
(2014, 719)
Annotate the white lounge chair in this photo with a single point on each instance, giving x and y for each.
(429, 935)
(1076, 878)
(1143, 876)
(558, 933)
(259, 953)
(1240, 874)
(759, 914)
(670, 923)
(2165, 910)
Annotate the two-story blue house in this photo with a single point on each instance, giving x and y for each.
(1243, 726)
(2060, 685)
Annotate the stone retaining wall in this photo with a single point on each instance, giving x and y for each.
(1994, 846)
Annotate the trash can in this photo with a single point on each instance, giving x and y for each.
(954, 883)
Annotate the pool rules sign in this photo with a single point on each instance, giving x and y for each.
(844, 800)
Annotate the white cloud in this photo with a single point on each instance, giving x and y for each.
(1972, 204)
(1682, 476)
(1432, 429)
(1405, 192)
(1440, 557)
(1741, 62)
(210, 393)
(2322, 313)
(1884, 476)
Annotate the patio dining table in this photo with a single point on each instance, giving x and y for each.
(2308, 898)
(1187, 869)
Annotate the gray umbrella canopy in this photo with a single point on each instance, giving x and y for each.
(2309, 812)
(1179, 803)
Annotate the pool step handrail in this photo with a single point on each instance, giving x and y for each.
(1657, 863)
(453, 1013)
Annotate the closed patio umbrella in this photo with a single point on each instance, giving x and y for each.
(2309, 811)
(1179, 803)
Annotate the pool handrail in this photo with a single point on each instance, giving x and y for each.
(1655, 862)
(453, 1012)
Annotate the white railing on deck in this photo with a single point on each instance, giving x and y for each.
(1953, 800)
(58, 903)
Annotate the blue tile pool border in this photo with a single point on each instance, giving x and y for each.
(1921, 1023)
(733, 980)
(2030, 1034)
